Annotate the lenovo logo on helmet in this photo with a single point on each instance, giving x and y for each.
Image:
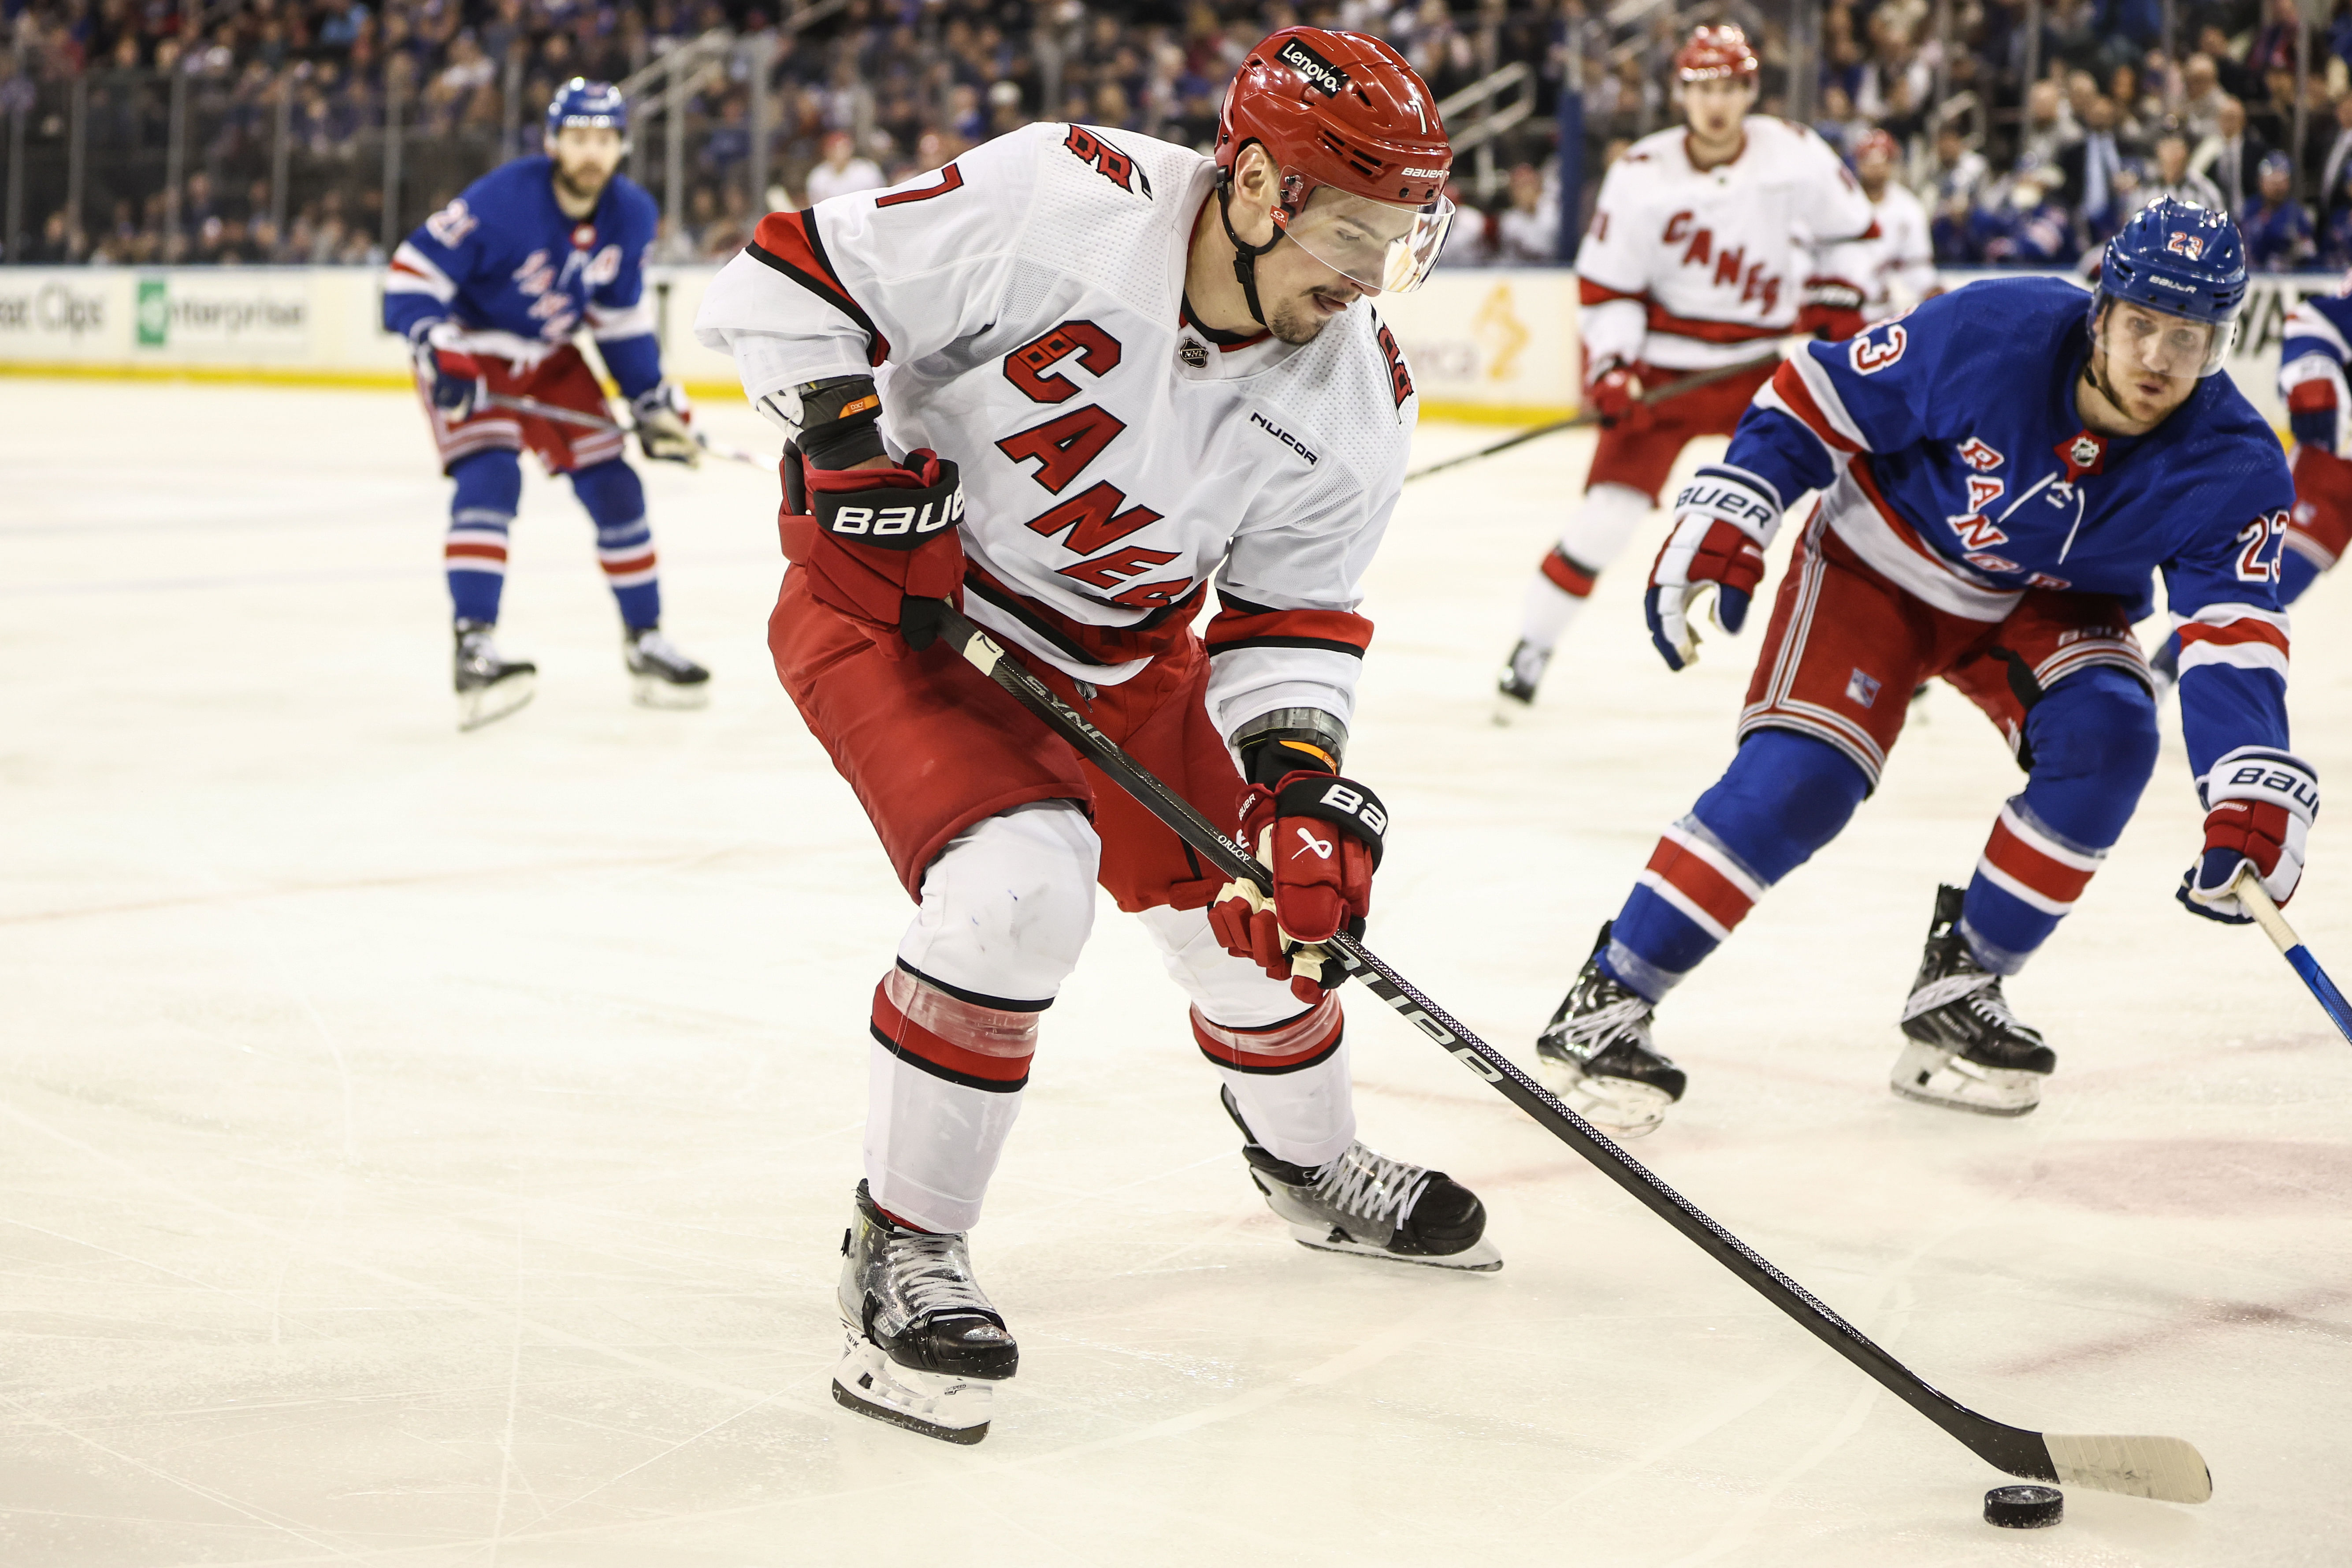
(1318, 71)
(2188, 245)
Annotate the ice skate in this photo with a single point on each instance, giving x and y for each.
(1514, 689)
(1596, 1055)
(660, 675)
(488, 687)
(1966, 1049)
(1372, 1206)
(925, 1349)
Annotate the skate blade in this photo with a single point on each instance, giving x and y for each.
(1935, 1075)
(485, 704)
(653, 691)
(1479, 1258)
(1509, 711)
(952, 1409)
(1622, 1107)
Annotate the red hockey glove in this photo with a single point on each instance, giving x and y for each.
(1722, 523)
(2263, 804)
(451, 374)
(665, 425)
(1615, 395)
(1320, 835)
(2315, 403)
(880, 545)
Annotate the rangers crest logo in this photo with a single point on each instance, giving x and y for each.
(2187, 244)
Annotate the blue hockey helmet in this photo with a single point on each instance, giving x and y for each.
(583, 102)
(2182, 259)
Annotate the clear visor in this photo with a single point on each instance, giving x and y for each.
(1380, 248)
(2141, 337)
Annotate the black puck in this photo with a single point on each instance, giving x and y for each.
(2024, 1507)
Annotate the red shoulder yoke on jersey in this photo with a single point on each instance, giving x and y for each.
(790, 243)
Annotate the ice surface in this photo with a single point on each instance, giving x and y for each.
(426, 1149)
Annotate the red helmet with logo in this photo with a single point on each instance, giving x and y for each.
(1338, 109)
(1344, 111)
(1716, 54)
(1877, 143)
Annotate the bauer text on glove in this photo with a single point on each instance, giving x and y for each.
(879, 544)
(1724, 518)
(1321, 836)
(2261, 805)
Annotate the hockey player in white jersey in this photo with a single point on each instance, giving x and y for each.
(1706, 251)
(1066, 380)
(1897, 269)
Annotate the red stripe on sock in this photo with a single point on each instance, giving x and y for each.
(1701, 883)
(2053, 879)
(940, 1051)
(1292, 1043)
(1566, 575)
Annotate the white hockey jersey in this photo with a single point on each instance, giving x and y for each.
(1686, 270)
(1022, 311)
(1897, 269)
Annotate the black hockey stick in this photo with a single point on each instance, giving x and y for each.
(559, 414)
(2167, 1468)
(1577, 421)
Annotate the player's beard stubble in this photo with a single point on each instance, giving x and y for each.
(1301, 319)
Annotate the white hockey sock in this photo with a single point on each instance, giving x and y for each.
(1595, 536)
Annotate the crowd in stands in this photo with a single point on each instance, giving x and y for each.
(286, 108)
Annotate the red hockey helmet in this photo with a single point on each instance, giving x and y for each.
(1344, 111)
(1877, 143)
(1716, 54)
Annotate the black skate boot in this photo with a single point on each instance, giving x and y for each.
(488, 687)
(1370, 1204)
(1596, 1054)
(925, 1348)
(1514, 689)
(661, 676)
(1968, 1050)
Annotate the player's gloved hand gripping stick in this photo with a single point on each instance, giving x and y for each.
(1723, 520)
(2163, 1467)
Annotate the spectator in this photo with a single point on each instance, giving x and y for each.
(1527, 231)
(2202, 96)
(2091, 167)
(2229, 156)
(2277, 228)
(2336, 169)
(2049, 127)
(843, 169)
(2173, 177)
(2029, 229)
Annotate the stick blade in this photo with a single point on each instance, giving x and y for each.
(2165, 1469)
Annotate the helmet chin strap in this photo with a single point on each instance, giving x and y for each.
(2094, 369)
(1245, 255)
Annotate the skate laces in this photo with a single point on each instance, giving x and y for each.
(930, 1272)
(1979, 989)
(1362, 1182)
(1585, 1033)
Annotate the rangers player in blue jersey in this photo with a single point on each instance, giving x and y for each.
(490, 291)
(2001, 473)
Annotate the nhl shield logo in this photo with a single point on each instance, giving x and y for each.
(1195, 355)
(2187, 244)
(2086, 452)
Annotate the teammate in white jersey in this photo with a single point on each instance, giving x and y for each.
(1897, 269)
(1067, 380)
(1706, 251)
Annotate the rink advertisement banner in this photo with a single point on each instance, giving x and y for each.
(1496, 344)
